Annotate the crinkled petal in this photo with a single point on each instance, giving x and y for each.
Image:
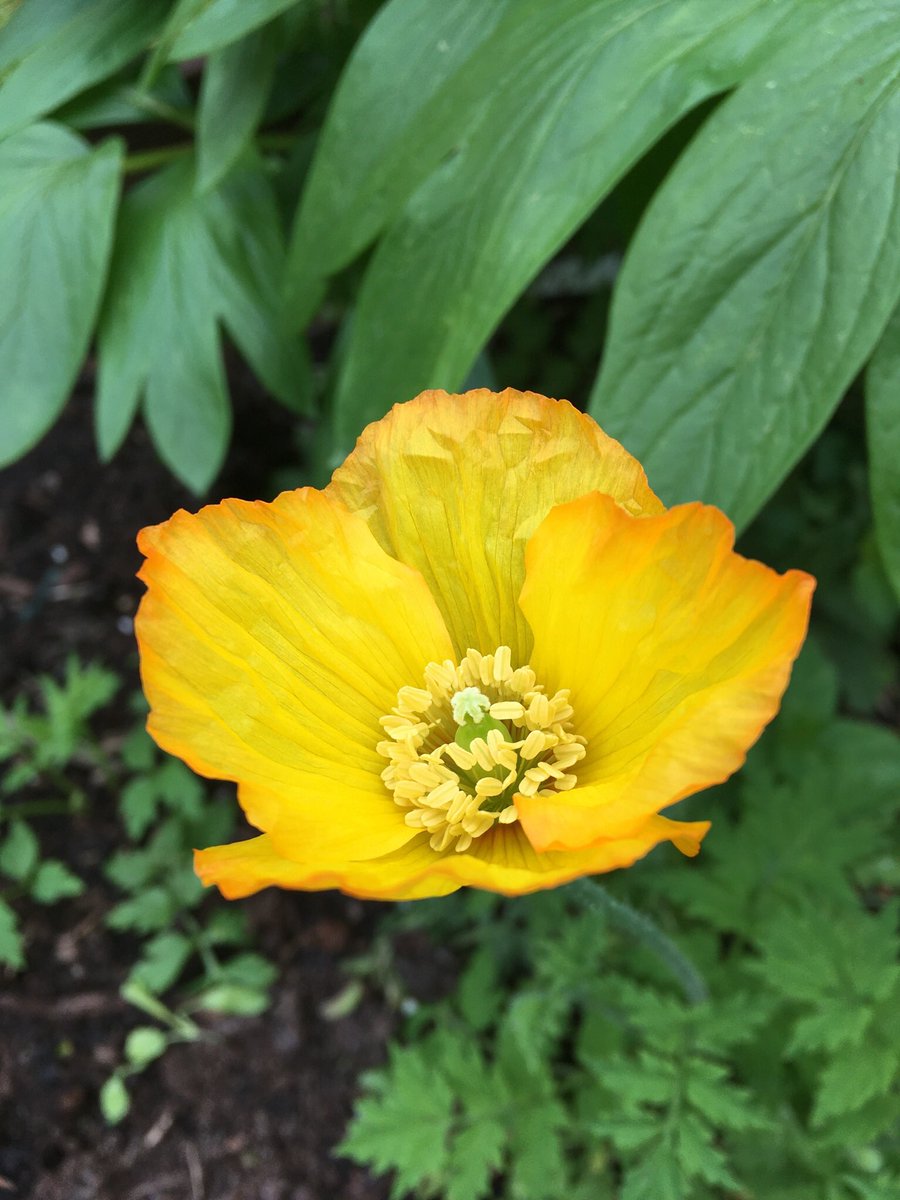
(501, 861)
(454, 485)
(272, 638)
(243, 868)
(675, 649)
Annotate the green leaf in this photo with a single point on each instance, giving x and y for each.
(57, 203)
(476, 1154)
(854, 1076)
(344, 1002)
(162, 961)
(764, 270)
(150, 910)
(841, 963)
(183, 885)
(817, 951)
(670, 1106)
(130, 869)
(11, 946)
(250, 970)
(138, 751)
(234, 998)
(69, 704)
(566, 97)
(226, 926)
(53, 49)
(19, 852)
(751, 871)
(478, 994)
(657, 1177)
(537, 1158)
(208, 25)
(183, 263)
(144, 1044)
(137, 805)
(114, 1100)
(179, 789)
(54, 881)
(403, 1122)
(379, 142)
(883, 428)
(236, 84)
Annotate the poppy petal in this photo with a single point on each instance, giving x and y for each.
(454, 485)
(502, 861)
(273, 637)
(675, 649)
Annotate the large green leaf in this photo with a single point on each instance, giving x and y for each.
(765, 269)
(57, 209)
(183, 263)
(389, 124)
(53, 49)
(883, 422)
(199, 26)
(236, 85)
(572, 94)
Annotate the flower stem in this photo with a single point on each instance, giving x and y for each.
(590, 894)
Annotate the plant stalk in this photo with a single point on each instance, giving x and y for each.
(146, 160)
(590, 894)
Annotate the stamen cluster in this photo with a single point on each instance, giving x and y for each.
(458, 779)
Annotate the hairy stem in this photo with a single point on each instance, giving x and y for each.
(590, 894)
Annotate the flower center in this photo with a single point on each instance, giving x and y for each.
(478, 733)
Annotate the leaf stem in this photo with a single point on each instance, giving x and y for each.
(146, 160)
(159, 108)
(590, 894)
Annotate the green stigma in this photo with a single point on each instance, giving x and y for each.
(470, 712)
(469, 705)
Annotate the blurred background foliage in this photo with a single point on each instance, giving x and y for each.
(355, 195)
(681, 215)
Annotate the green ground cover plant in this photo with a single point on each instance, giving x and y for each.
(37, 744)
(191, 955)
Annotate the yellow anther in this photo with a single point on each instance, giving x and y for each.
(480, 751)
(414, 700)
(539, 712)
(442, 795)
(534, 744)
(488, 786)
(502, 664)
(464, 759)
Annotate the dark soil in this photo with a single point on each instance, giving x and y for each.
(253, 1112)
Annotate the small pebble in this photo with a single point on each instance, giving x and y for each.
(90, 534)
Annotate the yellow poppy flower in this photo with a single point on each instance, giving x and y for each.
(485, 655)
